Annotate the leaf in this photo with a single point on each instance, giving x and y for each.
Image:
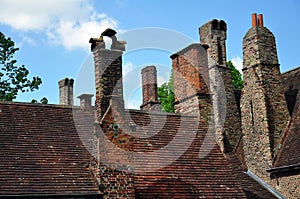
(13, 78)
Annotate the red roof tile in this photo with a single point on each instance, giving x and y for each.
(41, 151)
(190, 174)
(289, 152)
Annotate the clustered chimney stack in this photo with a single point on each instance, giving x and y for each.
(149, 84)
(66, 91)
(257, 21)
(263, 112)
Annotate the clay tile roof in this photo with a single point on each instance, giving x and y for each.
(41, 152)
(199, 169)
(289, 152)
(251, 187)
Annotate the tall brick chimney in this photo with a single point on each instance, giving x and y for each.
(66, 91)
(113, 175)
(149, 84)
(226, 115)
(264, 110)
(191, 85)
(108, 72)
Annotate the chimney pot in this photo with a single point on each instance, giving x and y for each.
(254, 19)
(260, 20)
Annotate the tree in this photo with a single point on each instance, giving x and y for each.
(43, 101)
(237, 79)
(13, 78)
(166, 95)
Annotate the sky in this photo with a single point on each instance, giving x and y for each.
(53, 36)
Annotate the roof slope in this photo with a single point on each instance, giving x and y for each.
(189, 162)
(251, 187)
(289, 152)
(41, 151)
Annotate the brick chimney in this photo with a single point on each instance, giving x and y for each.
(264, 110)
(191, 85)
(108, 71)
(66, 91)
(149, 84)
(228, 133)
(85, 101)
(114, 178)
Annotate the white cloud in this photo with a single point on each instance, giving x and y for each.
(133, 104)
(238, 63)
(65, 22)
(161, 80)
(127, 67)
(26, 40)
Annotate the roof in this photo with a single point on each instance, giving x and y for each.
(45, 150)
(42, 152)
(250, 186)
(200, 169)
(193, 166)
(289, 152)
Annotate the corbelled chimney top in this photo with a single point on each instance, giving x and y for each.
(66, 91)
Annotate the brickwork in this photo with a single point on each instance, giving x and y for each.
(149, 86)
(264, 111)
(66, 91)
(114, 175)
(108, 77)
(191, 84)
(213, 35)
(288, 186)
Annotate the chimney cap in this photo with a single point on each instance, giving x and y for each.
(109, 32)
(84, 96)
(66, 82)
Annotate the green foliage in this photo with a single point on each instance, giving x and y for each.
(237, 78)
(43, 101)
(166, 95)
(34, 101)
(13, 78)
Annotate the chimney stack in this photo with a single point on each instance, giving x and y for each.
(85, 101)
(149, 86)
(66, 91)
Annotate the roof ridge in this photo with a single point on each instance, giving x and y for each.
(161, 113)
(39, 105)
(291, 70)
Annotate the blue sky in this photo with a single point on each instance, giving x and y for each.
(53, 35)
